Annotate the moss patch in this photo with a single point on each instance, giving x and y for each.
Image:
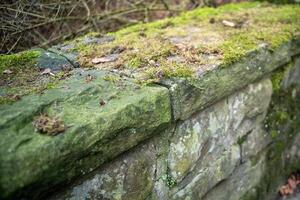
(199, 37)
(18, 61)
(22, 74)
(26, 80)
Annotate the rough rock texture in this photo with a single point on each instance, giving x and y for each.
(207, 148)
(186, 134)
(94, 132)
(53, 61)
(192, 158)
(190, 95)
(134, 175)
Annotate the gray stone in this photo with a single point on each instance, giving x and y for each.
(293, 75)
(95, 133)
(191, 95)
(207, 147)
(129, 177)
(137, 174)
(53, 61)
(243, 180)
(95, 40)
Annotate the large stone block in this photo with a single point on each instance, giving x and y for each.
(103, 118)
(243, 180)
(137, 174)
(207, 147)
(191, 95)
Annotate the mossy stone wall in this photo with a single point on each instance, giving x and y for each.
(183, 108)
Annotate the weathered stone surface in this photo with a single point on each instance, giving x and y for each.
(137, 174)
(212, 147)
(53, 61)
(69, 52)
(129, 177)
(282, 125)
(95, 132)
(243, 180)
(97, 40)
(191, 95)
(70, 56)
(216, 141)
(206, 148)
(293, 76)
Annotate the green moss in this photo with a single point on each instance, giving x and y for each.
(281, 108)
(5, 100)
(236, 47)
(280, 1)
(169, 70)
(111, 78)
(18, 61)
(23, 74)
(261, 23)
(135, 62)
(27, 81)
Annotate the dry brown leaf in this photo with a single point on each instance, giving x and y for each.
(101, 102)
(109, 58)
(89, 78)
(47, 71)
(48, 125)
(290, 187)
(228, 23)
(7, 71)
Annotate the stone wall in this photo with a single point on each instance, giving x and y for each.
(220, 152)
(228, 131)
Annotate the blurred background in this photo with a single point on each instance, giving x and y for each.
(42, 23)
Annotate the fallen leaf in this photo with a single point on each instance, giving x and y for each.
(228, 23)
(47, 71)
(102, 102)
(108, 58)
(292, 182)
(290, 187)
(7, 71)
(15, 97)
(48, 125)
(89, 78)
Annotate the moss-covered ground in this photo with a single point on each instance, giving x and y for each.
(19, 76)
(199, 38)
(16, 74)
(176, 47)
